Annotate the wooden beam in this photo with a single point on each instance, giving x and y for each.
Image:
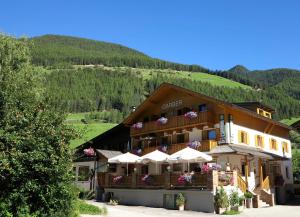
(246, 171)
(260, 167)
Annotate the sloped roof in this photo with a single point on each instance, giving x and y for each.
(243, 150)
(108, 153)
(166, 87)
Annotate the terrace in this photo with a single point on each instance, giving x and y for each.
(170, 180)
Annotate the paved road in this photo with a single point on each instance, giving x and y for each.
(139, 211)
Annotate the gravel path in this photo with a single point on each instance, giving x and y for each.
(140, 211)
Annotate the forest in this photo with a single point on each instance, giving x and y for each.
(84, 75)
(98, 89)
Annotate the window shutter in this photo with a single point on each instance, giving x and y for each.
(256, 140)
(270, 143)
(186, 137)
(240, 136)
(248, 138)
(262, 142)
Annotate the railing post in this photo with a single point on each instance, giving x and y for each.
(212, 180)
(167, 180)
(235, 178)
(106, 182)
(134, 180)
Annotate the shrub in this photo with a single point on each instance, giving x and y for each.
(221, 198)
(248, 195)
(180, 199)
(234, 198)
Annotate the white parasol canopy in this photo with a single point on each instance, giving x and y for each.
(189, 155)
(125, 158)
(155, 156)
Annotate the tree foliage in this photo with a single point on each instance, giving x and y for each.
(35, 158)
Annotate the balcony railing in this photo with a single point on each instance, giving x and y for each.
(170, 180)
(206, 145)
(173, 123)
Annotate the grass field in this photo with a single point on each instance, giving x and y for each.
(89, 130)
(197, 76)
(290, 121)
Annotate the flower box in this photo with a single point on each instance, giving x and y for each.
(162, 120)
(138, 125)
(194, 144)
(191, 115)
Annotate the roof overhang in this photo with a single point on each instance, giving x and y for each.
(167, 86)
(242, 150)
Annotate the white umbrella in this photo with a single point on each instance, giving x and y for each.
(125, 158)
(189, 155)
(155, 156)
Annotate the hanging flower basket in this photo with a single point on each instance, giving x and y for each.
(147, 179)
(89, 152)
(138, 125)
(194, 144)
(138, 151)
(191, 115)
(163, 148)
(117, 179)
(181, 180)
(162, 120)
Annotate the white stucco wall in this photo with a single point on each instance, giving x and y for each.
(252, 133)
(83, 184)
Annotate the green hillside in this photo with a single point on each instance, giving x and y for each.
(290, 121)
(49, 50)
(88, 130)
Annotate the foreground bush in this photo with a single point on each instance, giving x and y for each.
(85, 208)
(35, 158)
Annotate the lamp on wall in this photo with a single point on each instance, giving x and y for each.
(169, 168)
(227, 167)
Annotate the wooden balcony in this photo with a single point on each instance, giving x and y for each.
(206, 145)
(173, 123)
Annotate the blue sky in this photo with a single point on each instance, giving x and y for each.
(217, 34)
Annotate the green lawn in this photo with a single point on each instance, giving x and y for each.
(89, 130)
(290, 121)
(198, 76)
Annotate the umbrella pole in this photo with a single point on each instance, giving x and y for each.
(127, 169)
(188, 166)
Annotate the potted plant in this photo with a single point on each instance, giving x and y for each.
(241, 203)
(180, 201)
(234, 200)
(221, 201)
(248, 195)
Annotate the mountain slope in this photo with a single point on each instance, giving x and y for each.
(50, 50)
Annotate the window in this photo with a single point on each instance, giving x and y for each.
(83, 173)
(112, 168)
(202, 108)
(244, 169)
(180, 138)
(144, 169)
(285, 148)
(164, 140)
(164, 168)
(163, 115)
(261, 112)
(179, 112)
(273, 144)
(243, 137)
(177, 167)
(287, 174)
(259, 141)
(146, 119)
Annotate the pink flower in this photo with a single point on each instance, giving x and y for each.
(89, 151)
